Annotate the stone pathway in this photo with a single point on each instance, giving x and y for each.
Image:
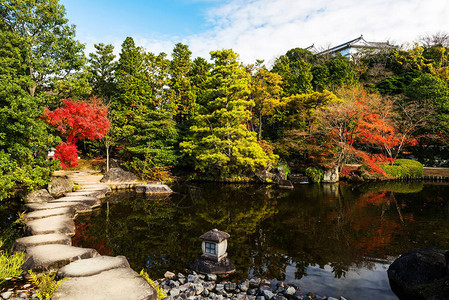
(49, 248)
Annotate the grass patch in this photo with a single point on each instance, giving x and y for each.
(403, 168)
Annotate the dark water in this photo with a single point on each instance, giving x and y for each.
(328, 239)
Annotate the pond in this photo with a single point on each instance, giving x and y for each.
(330, 239)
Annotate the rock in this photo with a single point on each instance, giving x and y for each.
(281, 285)
(169, 275)
(298, 178)
(420, 274)
(342, 298)
(198, 288)
(331, 175)
(205, 293)
(266, 177)
(219, 288)
(331, 298)
(254, 282)
(54, 224)
(206, 266)
(121, 283)
(252, 292)
(267, 294)
(185, 286)
(279, 297)
(59, 185)
(174, 292)
(173, 284)
(290, 291)
(39, 214)
(230, 286)
(285, 185)
(78, 206)
(209, 285)
(52, 257)
(39, 196)
(211, 277)
(192, 278)
(243, 285)
(250, 297)
(6, 295)
(153, 189)
(281, 173)
(265, 282)
(113, 163)
(241, 296)
(182, 280)
(21, 244)
(93, 266)
(118, 175)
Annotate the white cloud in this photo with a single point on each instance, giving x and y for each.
(264, 29)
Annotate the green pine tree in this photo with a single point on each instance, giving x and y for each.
(221, 144)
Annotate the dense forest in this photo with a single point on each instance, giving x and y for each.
(213, 118)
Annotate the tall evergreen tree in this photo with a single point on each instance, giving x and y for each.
(101, 68)
(182, 93)
(141, 122)
(221, 144)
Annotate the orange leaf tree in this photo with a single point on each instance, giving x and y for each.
(77, 121)
(367, 126)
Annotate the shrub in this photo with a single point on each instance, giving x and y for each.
(46, 285)
(158, 288)
(403, 168)
(315, 174)
(10, 264)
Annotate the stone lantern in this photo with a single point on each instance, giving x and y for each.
(214, 259)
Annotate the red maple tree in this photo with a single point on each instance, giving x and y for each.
(363, 121)
(77, 121)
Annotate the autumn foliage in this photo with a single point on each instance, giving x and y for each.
(77, 121)
(364, 121)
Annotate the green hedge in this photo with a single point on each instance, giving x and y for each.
(403, 168)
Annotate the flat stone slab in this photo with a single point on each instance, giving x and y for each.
(23, 243)
(39, 214)
(153, 189)
(93, 266)
(99, 187)
(89, 201)
(78, 206)
(116, 284)
(55, 224)
(52, 257)
(94, 193)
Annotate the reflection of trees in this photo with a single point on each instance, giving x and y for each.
(314, 225)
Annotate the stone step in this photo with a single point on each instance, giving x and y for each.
(116, 284)
(55, 224)
(89, 201)
(93, 266)
(49, 258)
(78, 206)
(23, 243)
(39, 214)
(93, 193)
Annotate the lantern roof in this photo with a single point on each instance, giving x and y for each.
(215, 235)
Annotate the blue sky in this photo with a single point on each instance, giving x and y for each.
(256, 29)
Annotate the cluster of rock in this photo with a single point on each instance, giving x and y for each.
(24, 292)
(197, 286)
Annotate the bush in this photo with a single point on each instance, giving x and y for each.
(46, 284)
(160, 292)
(403, 168)
(315, 174)
(10, 264)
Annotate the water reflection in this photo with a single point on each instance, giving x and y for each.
(336, 239)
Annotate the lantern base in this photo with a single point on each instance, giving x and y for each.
(207, 266)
